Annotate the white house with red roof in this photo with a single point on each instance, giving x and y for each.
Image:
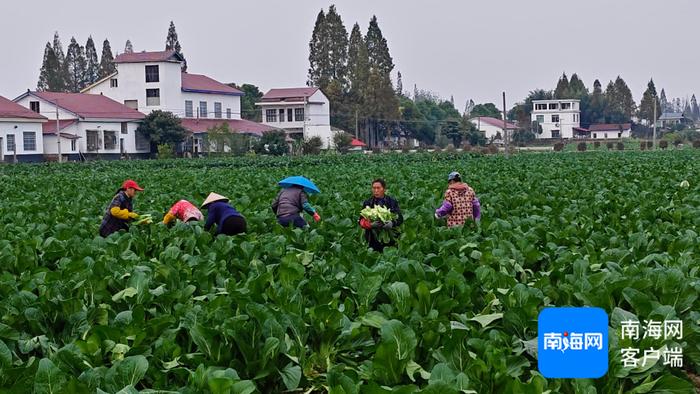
(148, 81)
(606, 131)
(302, 112)
(20, 133)
(90, 125)
(493, 128)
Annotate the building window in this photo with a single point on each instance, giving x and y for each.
(290, 115)
(203, 109)
(189, 111)
(152, 74)
(133, 104)
(72, 145)
(595, 135)
(619, 135)
(110, 139)
(541, 107)
(152, 97)
(553, 105)
(125, 128)
(270, 115)
(217, 110)
(555, 118)
(142, 142)
(540, 118)
(555, 133)
(93, 141)
(299, 114)
(29, 141)
(34, 106)
(11, 143)
(565, 105)
(113, 83)
(228, 113)
(281, 115)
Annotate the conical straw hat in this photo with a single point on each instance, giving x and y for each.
(213, 197)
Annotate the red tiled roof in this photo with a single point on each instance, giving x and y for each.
(198, 126)
(64, 135)
(610, 126)
(493, 122)
(289, 94)
(581, 129)
(203, 84)
(50, 126)
(356, 142)
(147, 57)
(10, 109)
(91, 105)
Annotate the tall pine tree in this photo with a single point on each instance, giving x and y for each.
(337, 37)
(562, 90)
(50, 78)
(62, 67)
(695, 110)
(358, 71)
(107, 66)
(619, 102)
(381, 104)
(76, 64)
(596, 105)
(664, 102)
(173, 44)
(646, 106)
(378, 49)
(128, 47)
(399, 84)
(319, 56)
(92, 70)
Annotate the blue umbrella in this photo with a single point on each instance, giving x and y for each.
(304, 182)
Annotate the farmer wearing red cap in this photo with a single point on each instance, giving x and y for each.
(120, 210)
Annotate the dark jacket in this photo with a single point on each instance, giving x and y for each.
(111, 224)
(393, 206)
(217, 213)
(291, 201)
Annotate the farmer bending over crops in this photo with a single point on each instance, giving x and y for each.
(380, 226)
(121, 210)
(227, 219)
(292, 200)
(183, 210)
(460, 202)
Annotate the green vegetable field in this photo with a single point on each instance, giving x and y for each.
(309, 311)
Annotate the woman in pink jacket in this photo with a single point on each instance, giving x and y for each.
(460, 202)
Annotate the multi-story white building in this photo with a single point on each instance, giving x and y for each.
(149, 81)
(20, 133)
(302, 112)
(558, 118)
(90, 125)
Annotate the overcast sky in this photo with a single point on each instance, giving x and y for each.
(469, 49)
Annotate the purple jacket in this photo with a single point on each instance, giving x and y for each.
(446, 208)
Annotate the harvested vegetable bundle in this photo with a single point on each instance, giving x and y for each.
(379, 214)
(144, 219)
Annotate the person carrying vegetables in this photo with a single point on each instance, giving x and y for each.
(460, 202)
(380, 217)
(121, 210)
(292, 200)
(227, 219)
(184, 211)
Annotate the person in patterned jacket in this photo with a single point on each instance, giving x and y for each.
(184, 211)
(460, 202)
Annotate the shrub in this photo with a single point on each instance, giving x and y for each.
(405, 148)
(642, 145)
(558, 147)
(582, 146)
(663, 144)
(272, 143)
(677, 141)
(342, 141)
(620, 146)
(650, 144)
(376, 150)
(466, 147)
(312, 146)
(596, 144)
(450, 148)
(610, 145)
(165, 151)
(696, 144)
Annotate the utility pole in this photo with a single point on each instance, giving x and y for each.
(654, 143)
(58, 133)
(356, 122)
(505, 125)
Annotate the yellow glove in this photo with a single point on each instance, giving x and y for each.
(122, 214)
(169, 217)
(133, 215)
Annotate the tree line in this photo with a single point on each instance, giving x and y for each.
(79, 67)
